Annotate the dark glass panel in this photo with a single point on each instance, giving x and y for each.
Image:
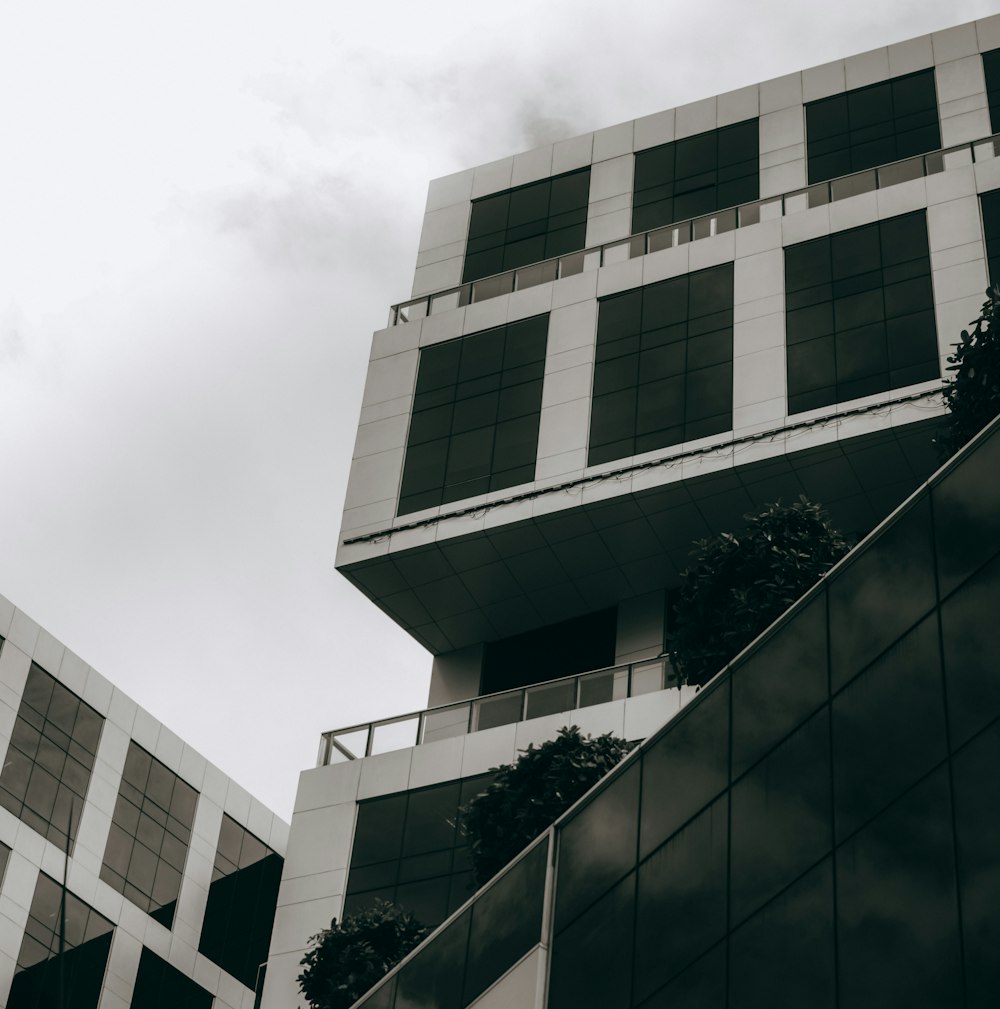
(883, 592)
(780, 684)
(971, 634)
(977, 827)
(159, 985)
(506, 922)
(701, 986)
(430, 819)
(784, 955)
(781, 817)
(888, 727)
(685, 768)
(897, 906)
(991, 68)
(38, 689)
(434, 976)
(591, 959)
(681, 903)
(378, 834)
(598, 845)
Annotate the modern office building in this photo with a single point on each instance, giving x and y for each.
(617, 344)
(172, 872)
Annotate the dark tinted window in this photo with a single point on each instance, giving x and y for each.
(991, 232)
(871, 126)
(859, 313)
(991, 67)
(36, 982)
(159, 985)
(50, 757)
(434, 976)
(149, 835)
(475, 415)
(524, 225)
(695, 176)
(664, 365)
(241, 901)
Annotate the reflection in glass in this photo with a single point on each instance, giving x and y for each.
(160, 985)
(700, 986)
(530, 276)
(853, 185)
(602, 686)
(550, 699)
(503, 709)
(901, 171)
(395, 735)
(434, 976)
(648, 677)
(444, 723)
(897, 906)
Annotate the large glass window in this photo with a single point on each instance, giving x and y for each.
(475, 415)
(241, 901)
(149, 835)
(859, 313)
(528, 224)
(695, 176)
(664, 365)
(991, 232)
(872, 126)
(160, 985)
(991, 68)
(40, 971)
(50, 758)
(408, 849)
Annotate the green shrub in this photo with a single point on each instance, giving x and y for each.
(741, 583)
(528, 795)
(346, 960)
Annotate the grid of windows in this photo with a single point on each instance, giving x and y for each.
(991, 232)
(527, 224)
(859, 313)
(409, 850)
(36, 982)
(50, 758)
(695, 176)
(871, 126)
(991, 69)
(664, 367)
(241, 901)
(159, 985)
(475, 415)
(149, 835)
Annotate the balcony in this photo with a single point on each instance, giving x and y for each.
(698, 228)
(568, 693)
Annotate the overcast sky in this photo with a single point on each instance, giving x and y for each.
(205, 210)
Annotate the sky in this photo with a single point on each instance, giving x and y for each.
(206, 209)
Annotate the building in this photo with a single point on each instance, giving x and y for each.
(617, 344)
(172, 870)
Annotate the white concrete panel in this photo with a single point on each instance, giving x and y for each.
(453, 250)
(612, 142)
(759, 276)
(389, 408)
(439, 276)
(438, 761)
(953, 223)
(619, 277)
(970, 103)
(522, 987)
(381, 435)
(396, 339)
(960, 79)
(390, 377)
(368, 518)
(754, 335)
(609, 227)
(570, 290)
(294, 924)
(485, 314)
(487, 749)
(611, 178)
(759, 377)
(48, 652)
(122, 710)
(758, 417)
(6, 615)
(782, 129)
(805, 225)
(988, 33)
(530, 166)
(449, 189)
(14, 666)
(303, 888)
(320, 840)
(712, 251)
(782, 178)
(215, 784)
(854, 211)
(23, 632)
(492, 178)
(780, 93)
(621, 201)
(695, 117)
(866, 68)
(566, 385)
(561, 465)
(576, 152)
(531, 301)
(901, 199)
(646, 713)
(666, 263)
(374, 478)
(563, 427)
(570, 359)
(769, 305)
(962, 281)
(964, 128)
(540, 730)
(954, 316)
(910, 56)
(383, 773)
(783, 155)
(651, 131)
(957, 182)
(757, 238)
(954, 43)
(958, 254)
(823, 81)
(445, 226)
(597, 719)
(736, 106)
(441, 327)
(280, 987)
(145, 729)
(328, 786)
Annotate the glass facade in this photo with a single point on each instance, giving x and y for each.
(408, 850)
(149, 835)
(664, 365)
(990, 203)
(241, 902)
(40, 973)
(474, 426)
(819, 826)
(50, 758)
(159, 985)
(525, 225)
(695, 176)
(991, 69)
(859, 313)
(871, 126)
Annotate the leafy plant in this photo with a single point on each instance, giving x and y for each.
(973, 394)
(740, 583)
(529, 794)
(346, 960)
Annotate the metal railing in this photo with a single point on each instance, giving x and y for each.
(700, 227)
(564, 694)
